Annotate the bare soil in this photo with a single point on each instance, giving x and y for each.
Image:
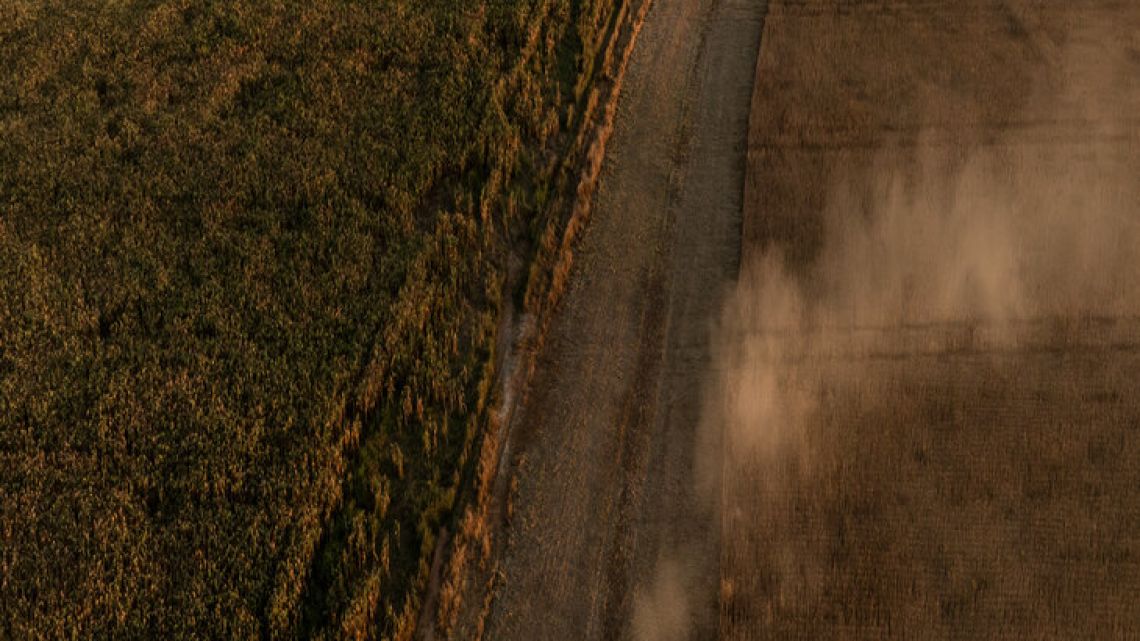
(936, 465)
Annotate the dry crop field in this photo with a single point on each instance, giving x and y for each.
(252, 261)
(929, 370)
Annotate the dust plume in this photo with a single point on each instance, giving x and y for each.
(977, 237)
(1016, 233)
(973, 241)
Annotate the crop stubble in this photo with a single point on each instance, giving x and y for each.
(928, 368)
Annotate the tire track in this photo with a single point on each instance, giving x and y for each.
(603, 454)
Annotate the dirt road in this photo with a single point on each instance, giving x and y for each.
(603, 445)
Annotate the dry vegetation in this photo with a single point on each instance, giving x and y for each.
(461, 592)
(252, 258)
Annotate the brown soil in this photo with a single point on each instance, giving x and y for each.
(936, 411)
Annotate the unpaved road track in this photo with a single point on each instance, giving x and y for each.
(603, 447)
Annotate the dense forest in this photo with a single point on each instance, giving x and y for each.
(253, 257)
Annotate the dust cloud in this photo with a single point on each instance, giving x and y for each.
(932, 248)
(662, 612)
(970, 240)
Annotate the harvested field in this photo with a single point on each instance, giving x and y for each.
(927, 374)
